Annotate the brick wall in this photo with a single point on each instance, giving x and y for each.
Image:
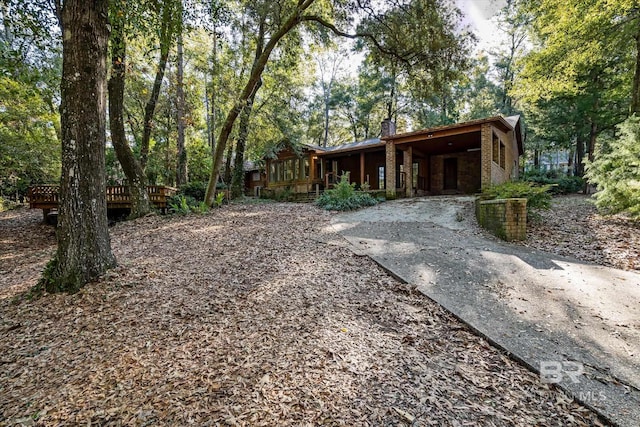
(468, 172)
(505, 218)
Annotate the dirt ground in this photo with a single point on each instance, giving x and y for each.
(250, 315)
(573, 227)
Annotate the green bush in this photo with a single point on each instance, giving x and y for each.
(560, 183)
(183, 205)
(195, 189)
(616, 171)
(538, 196)
(344, 197)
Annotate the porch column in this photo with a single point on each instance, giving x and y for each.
(485, 152)
(361, 169)
(390, 170)
(407, 157)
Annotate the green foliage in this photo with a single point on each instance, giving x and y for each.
(218, 200)
(344, 197)
(29, 148)
(616, 171)
(195, 189)
(285, 195)
(560, 182)
(538, 196)
(181, 204)
(7, 205)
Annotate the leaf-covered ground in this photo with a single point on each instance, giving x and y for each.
(573, 227)
(250, 315)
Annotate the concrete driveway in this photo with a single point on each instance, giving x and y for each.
(578, 324)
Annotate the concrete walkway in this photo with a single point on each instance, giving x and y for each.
(557, 315)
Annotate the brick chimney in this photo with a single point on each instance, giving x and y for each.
(388, 128)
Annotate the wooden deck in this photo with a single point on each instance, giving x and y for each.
(46, 196)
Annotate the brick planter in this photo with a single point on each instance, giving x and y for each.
(505, 218)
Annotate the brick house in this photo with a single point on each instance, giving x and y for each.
(452, 159)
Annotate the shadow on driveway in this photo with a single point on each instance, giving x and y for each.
(548, 311)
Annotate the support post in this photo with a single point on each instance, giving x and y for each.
(390, 170)
(486, 155)
(361, 169)
(407, 157)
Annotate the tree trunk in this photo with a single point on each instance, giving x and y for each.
(291, 22)
(150, 108)
(227, 165)
(579, 166)
(635, 95)
(84, 249)
(136, 178)
(181, 172)
(593, 135)
(237, 184)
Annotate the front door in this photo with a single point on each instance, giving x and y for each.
(451, 174)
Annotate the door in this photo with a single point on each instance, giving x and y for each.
(451, 174)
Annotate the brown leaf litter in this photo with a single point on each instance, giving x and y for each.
(241, 317)
(573, 227)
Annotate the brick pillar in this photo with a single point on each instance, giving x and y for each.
(390, 170)
(407, 157)
(485, 151)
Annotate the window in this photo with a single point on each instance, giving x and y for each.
(296, 169)
(272, 172)
(305, 168)
(279, 172)
(495, 149)
(381, 177)
(502, 156)
(288, 170)
(414, 177)
(255, 176)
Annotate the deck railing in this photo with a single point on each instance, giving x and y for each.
(118, 196)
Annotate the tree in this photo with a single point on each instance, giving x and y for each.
(140, 203)
(585, 57)
(84, 249)
(616, 171)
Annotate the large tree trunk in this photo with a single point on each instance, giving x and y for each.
(237, 184)
(150, 108)
(136, 178)
(181, 172)
(84, 249)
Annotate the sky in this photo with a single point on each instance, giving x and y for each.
(478, 14)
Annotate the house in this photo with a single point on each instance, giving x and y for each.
(452, 159)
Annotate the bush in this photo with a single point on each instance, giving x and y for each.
(344, 197)
(538, 196)
(616, 171)
(183, 205)
(195, 189)
(560, 183)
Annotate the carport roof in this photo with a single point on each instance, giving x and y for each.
(506, 124)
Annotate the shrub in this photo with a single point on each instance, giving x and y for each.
(183, 205)
(616, 171)
(195, 189)
(538, 196)
(344, 197)
(560, 183)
